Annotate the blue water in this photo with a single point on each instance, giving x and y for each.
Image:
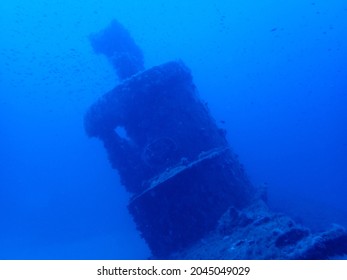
(274, 75)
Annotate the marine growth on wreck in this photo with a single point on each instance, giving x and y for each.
(191, 197)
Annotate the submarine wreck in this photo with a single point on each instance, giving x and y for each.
(190, 196)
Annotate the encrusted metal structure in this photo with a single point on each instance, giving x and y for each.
(185, 181)
(170, 155)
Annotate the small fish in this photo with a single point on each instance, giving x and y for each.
(273, 29)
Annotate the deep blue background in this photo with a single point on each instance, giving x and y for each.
(274, 74)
